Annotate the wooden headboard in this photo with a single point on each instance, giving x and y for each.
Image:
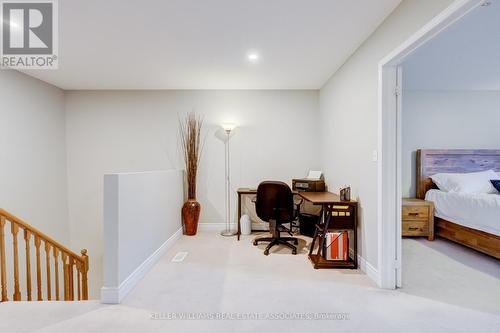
(432, 161)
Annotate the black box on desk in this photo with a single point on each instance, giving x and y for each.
(307, 224)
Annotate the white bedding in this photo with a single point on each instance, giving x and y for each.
(477, 211)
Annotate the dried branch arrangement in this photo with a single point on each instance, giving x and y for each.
(190, 132)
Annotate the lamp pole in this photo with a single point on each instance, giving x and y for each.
(228, 232)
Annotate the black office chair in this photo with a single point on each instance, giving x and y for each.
(274, 204)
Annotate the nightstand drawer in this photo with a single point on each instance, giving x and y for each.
(417, 218)
(415, 213)
(415, 228)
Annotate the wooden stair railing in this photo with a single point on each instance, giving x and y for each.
(70, 260)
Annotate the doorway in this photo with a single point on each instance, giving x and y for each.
(389, 141)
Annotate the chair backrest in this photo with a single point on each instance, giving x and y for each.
(273, 197)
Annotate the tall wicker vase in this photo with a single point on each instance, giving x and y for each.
(190, 131)
(190, 215)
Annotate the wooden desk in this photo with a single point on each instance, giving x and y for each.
(329, 201)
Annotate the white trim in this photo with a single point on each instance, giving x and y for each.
(114, 295)
(389, 166)
(212, 226)
(370, 271)
(399, 172)
(367, 268)
(386, 180)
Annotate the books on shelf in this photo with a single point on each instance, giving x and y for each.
(336, 246)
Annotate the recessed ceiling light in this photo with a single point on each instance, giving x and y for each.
(253, 56)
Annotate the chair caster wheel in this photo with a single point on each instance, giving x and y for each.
(294, 251)
(266, 252)
(255, 243)
(296, 242)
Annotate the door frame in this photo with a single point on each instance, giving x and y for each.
(389, 141)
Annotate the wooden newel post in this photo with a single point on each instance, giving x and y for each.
(85, 269)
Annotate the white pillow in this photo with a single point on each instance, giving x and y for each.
(474, 182)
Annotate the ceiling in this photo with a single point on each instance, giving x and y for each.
(202, 44)
(464, 57)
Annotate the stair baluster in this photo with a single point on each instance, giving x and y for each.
(27, 236)
(71, 262)
(56, 271)
(2, 260)
(47, 270)
(17, 293)
(38, 270)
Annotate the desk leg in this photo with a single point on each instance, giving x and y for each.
(322, 238)
(239, 216)
(322, 218)
(355, 234)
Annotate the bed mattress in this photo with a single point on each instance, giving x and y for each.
(476, 211)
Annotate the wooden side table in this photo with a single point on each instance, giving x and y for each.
(417, 218)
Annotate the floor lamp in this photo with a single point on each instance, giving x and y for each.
(228, 127)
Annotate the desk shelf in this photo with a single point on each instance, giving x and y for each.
(337, 215)
(319, 262)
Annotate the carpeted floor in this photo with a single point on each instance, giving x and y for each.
(227, 278)
(448, 272)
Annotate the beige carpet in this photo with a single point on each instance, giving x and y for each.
(448, 272)
(223, 276)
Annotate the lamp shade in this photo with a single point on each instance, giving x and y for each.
(228, 127)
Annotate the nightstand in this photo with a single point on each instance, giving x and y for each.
(418, 218)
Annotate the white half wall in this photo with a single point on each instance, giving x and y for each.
(446, 120)
(348, 115)
(129, 131)
(142, 220)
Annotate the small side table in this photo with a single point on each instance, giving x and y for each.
(347, 219)
(417, 218)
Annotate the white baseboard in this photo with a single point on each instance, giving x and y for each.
(114, 295)
(366, 267)
(370, 271)
(215, 226)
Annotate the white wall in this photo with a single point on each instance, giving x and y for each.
(141, 220)
(32, 165)
(348, 114)
(33, 156)
(466, 56)
(447, 120)
(127, 131)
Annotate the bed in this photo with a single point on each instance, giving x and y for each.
(467, 219)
